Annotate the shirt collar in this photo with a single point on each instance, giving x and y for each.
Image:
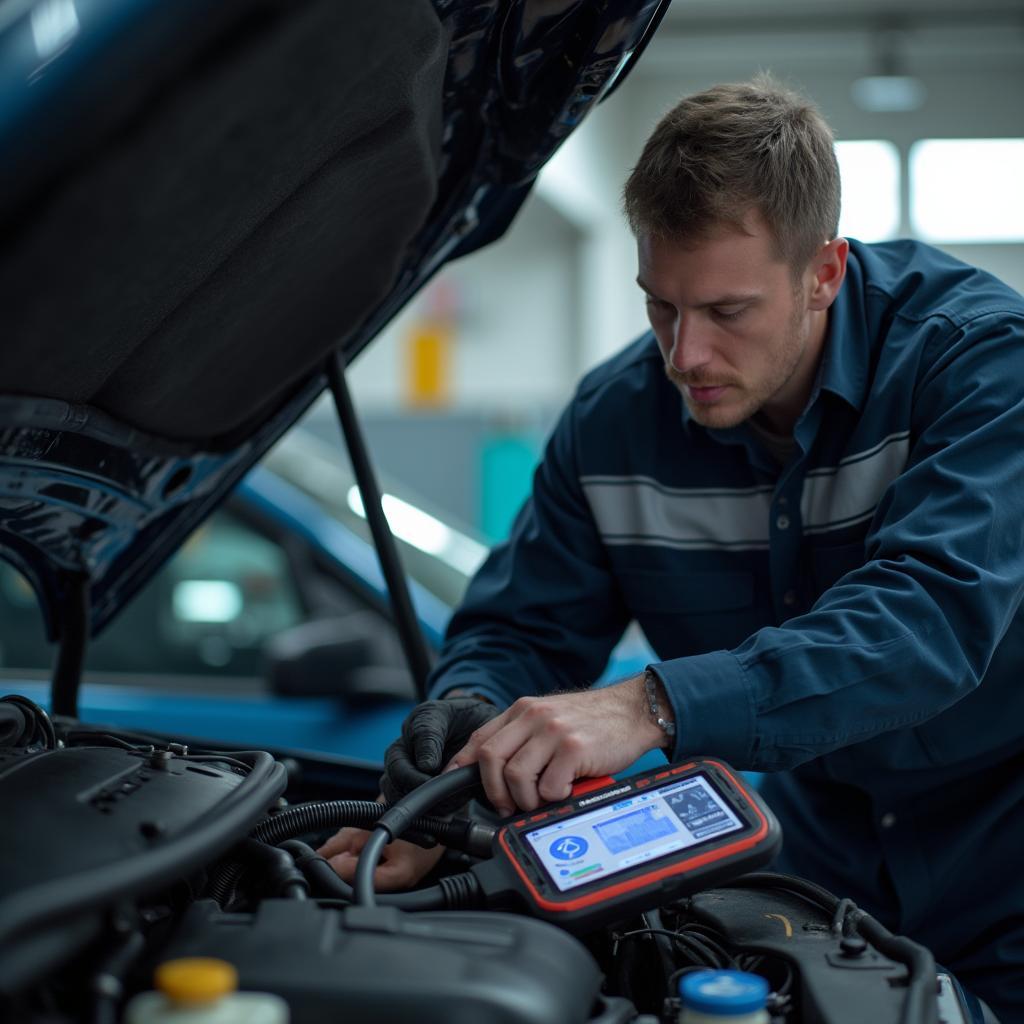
(847, 349)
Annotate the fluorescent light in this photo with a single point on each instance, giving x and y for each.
(54, 25)
(889, 94)
(424, 532)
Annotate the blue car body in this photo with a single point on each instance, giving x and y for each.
(358, 728)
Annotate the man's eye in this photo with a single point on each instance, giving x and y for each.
(658, 304)
(729, 313)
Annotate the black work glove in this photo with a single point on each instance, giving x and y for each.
(432, 734)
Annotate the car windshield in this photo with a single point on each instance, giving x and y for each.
(437, 551)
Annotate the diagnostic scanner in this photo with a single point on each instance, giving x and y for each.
(619, 847)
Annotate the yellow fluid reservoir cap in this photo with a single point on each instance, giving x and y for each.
(194, 980)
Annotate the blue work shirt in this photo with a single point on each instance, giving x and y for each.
(851, 616)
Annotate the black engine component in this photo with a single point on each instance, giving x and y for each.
(823, 968)
(110, 842)
(381, 964)
(88, 828)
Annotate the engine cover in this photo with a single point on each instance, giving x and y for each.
(380, 964)
(92, 827)
(89, 807)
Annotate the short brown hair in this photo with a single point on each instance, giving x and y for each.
(720, 153)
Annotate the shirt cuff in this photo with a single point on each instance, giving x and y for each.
(470, 683)
(714, 713)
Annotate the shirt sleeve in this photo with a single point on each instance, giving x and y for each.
(543, 612)
(912, 631)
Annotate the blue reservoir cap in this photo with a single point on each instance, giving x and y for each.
(723, 993)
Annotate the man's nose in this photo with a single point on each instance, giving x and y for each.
(691, 347)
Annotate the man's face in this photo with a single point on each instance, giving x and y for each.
(733, 325)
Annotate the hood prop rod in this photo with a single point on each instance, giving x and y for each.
(413, 644)
(67, 675)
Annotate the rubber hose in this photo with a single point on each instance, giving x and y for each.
(454, 892)
(460, 782)
(395, 820)
(222, 885)
(369, 858)
(276, 866)
(921, 1005)
(461, 892)
(315, 817)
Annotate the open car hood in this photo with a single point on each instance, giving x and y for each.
(200, 202)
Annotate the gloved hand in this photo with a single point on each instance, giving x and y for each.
(432, 734)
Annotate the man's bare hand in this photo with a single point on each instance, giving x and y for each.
(532, 753)
(402, 864)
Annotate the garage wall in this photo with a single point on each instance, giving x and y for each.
(515, 321)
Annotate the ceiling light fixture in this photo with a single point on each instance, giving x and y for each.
(890, 90)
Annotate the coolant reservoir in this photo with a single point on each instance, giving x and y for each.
(203, 990)
(723, 997)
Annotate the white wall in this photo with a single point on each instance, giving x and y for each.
(558, 293)
(595, 162)
(516, 312)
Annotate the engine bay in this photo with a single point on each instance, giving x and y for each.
(123, 852)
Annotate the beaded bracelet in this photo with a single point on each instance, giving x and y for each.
(651, 689)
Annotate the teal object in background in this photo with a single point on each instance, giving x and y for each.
(507, 463)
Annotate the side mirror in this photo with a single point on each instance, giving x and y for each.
(336, 657)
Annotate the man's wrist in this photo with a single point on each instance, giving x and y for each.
(459, 692)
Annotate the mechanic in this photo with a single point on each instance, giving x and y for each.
(806, 484)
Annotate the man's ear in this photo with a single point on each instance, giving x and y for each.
(829, 271)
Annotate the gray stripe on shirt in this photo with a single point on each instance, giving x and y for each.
(639, 510)
(842, 495)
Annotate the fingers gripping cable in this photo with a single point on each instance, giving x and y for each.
(460, 783)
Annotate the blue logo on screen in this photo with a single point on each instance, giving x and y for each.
(568, 847)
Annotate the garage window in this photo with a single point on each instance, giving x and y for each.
(967, 190)
(870, 174)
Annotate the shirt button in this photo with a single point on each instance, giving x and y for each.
(887, 820)
(789, 598)
(782, 502)
(782, 522)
